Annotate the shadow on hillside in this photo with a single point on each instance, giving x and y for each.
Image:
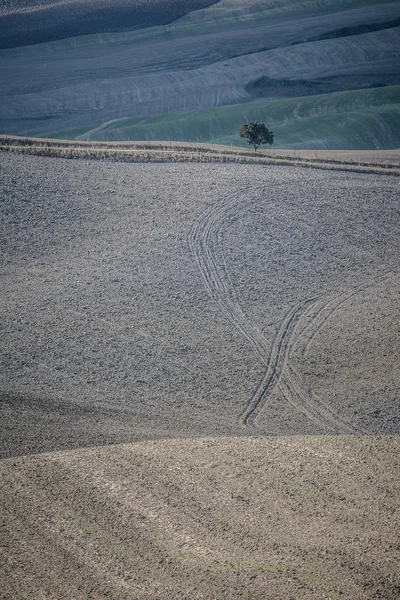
(65, 20)
(34, 425)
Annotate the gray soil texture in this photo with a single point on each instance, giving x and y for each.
(144, 301)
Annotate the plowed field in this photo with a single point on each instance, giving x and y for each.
(224, 303)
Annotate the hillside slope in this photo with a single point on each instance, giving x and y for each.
(33, 22)
(200, 519)
(148, 300)
(361, 119)
(221, 55)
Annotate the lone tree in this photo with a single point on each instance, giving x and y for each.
(256, 134)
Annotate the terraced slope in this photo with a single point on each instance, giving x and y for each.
(200, 519)
(219, 56)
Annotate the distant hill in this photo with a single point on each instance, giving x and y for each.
(164, 64)
(32, 22)
(362, 119)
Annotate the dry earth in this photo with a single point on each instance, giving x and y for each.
(145, 300)
(223, 306)
(208, 519)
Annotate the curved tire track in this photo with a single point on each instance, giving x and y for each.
(275, 365)
(205, 246)
(328, 309)
(316, 410)
(290, 386)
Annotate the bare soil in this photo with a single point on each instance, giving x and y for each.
(215, 518)
(153, 300)
(231, 308)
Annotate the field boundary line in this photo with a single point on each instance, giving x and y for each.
(164, 153)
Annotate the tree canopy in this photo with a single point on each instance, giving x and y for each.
(256, 134)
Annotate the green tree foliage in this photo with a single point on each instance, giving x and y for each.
(256, 134)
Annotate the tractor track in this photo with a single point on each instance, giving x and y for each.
(206, 248)
(310, 404)
(204, 244)
(313, 407)
(328, 309)
(275, 365)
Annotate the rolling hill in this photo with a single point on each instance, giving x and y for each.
(32, 22)
(363, 119)
(148, 300)
(200, 519)
(214, 56)
(199, 343)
